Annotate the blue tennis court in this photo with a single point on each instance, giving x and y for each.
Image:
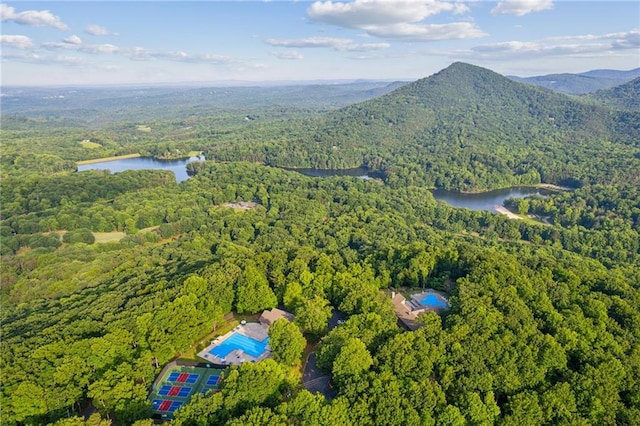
(213, 380)
(188, 378)
(179, 391)
(166, 405)
(248, 345)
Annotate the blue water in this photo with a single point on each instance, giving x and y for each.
(178, 167)
(433, 301)
(486, 200)
(240, 341)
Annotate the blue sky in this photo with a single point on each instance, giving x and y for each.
(105, 42)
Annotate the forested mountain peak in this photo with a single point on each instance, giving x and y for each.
(487, 123)
(459, 80)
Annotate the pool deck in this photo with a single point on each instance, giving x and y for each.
(255, 331)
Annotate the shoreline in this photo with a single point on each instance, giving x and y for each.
(100, 160)
(506, 212)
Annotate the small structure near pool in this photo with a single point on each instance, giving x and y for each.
(408, 311)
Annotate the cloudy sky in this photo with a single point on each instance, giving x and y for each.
(103, 42)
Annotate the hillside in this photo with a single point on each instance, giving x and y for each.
(582, 83)
(625, 96)
(469, 128)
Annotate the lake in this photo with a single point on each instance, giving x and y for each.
(486, 200)
(178, 167)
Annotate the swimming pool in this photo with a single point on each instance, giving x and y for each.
(433, 301)
(248, 345)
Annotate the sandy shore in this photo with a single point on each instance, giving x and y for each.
(552, 186)
(505, 211)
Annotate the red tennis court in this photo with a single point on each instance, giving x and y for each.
(164, 405)
(182, 377)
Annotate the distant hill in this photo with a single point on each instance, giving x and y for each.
(79, 105)
(582, 83)
(625, 96)
(470, 128)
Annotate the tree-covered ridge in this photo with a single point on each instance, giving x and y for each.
(469, 128)
(536, 334)
(464, 128)
(582, 83)
(625, 96)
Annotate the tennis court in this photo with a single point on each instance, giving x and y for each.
(179, 391)
(178, 384)
(166, 405)
(188, 378)
(212, 383)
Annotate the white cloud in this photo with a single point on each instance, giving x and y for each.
(367, 13)
(628, 39)
(395, 19)
(343, 44)
(74, 39)
(142, 54)
(521, 7)
(16, 41)
(34, 18)
(563, 46)
(428, 32)
(571, 48)
(72, 43)
(34, 58)
(288, 55)
(98, 30)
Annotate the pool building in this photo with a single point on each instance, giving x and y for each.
(248, 342)
(408, 311)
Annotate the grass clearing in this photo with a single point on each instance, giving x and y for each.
(142, 128)
(90, 145)
(108, 237)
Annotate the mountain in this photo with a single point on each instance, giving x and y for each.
(579, 84)
(625, 96)
(469, 128)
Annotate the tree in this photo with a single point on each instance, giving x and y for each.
(352, 360)
(260, 416)
(79, 236)
(312, 315)
(286, 341)
(253, 293)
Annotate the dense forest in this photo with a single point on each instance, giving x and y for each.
(543, 324)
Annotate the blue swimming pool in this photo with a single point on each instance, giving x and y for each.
(434, 301)
(248, 345)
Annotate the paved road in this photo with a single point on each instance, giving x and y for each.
(315, 380)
